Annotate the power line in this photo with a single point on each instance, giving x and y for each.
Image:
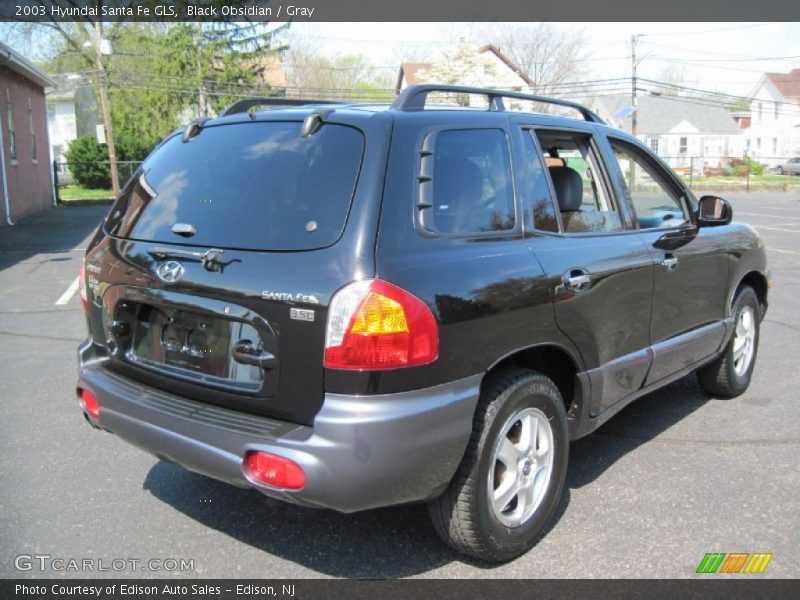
(679, 33)
(737, 57)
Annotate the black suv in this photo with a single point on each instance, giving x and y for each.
(354, 306)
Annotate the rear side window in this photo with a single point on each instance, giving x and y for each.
(472, 187)
(253, 186)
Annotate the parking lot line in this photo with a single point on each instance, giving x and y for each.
(770, 216)
(783, 251)
(778, 228)
(68, 293)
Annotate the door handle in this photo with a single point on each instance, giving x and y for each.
(669, 262)
(244, 352)
(577, 280)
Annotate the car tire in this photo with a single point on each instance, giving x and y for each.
(520, 418)
(729, 375)
(780, 170)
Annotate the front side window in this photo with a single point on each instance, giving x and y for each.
(655, 204)
(472, 185)
(574, 171)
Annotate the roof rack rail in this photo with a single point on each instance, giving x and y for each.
(242, 106)
(414, 97)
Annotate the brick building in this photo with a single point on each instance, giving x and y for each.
(25, 181)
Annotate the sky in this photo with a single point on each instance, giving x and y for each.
(724, 57)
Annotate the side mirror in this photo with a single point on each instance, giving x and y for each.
(712, 210)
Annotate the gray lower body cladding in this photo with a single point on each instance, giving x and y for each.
(362, 451)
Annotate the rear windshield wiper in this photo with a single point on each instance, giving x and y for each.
(210, 259)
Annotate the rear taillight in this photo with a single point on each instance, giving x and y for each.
(89, 404)
(373, 324)
(82, 290)
(272, 470)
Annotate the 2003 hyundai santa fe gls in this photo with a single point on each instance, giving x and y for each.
(354, 306)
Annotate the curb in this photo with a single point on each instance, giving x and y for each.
(86, 202)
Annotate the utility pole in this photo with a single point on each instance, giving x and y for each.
(634, 107)
(104, 107)
(634, 39)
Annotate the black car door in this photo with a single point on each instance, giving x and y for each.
(691, 269)
(599, 271)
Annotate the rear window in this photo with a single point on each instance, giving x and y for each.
(253, 186)
(472, 190)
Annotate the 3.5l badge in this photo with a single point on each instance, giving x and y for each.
(301, 314)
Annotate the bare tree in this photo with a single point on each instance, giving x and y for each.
(312, 72)
(550, 56)
(673, 74)
(413, 53)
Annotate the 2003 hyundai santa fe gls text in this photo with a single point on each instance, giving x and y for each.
(354, 306)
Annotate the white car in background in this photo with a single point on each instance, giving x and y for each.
(790, 167)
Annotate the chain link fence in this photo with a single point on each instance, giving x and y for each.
(63, 175)
(737, 174)
(703, 173)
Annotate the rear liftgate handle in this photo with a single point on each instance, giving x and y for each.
(669, 262)
(577, 280)
(246, 353)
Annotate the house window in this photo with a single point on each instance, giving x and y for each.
(12, 134)
(654, 144)
(760, 110)
(774, 146)
(777, 110)
(683, 146)
(32, 129)
(758, 145)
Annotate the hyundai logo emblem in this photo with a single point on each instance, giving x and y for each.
(170, 271)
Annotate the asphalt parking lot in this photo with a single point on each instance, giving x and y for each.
(675, 475)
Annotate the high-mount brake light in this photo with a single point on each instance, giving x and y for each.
(373, 324)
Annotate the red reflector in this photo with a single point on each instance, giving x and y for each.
(274, 471)
(90, 404)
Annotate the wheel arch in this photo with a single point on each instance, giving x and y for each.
(552, 360)
(760, 285)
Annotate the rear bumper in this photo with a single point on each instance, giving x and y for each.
(362, 451)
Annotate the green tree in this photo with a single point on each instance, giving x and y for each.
(156, 70)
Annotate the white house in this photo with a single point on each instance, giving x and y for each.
(485, 66)
(71, 112)
(684, 132)
(774, 132)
